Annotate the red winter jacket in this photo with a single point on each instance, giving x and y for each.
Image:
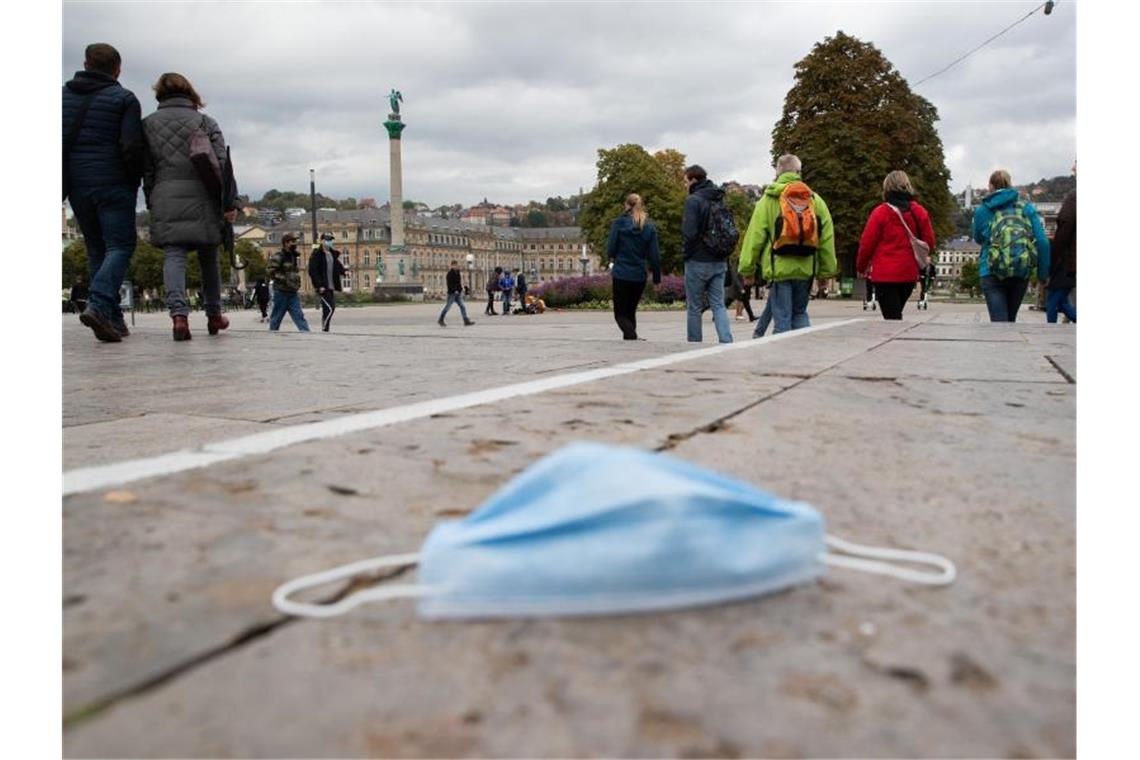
(885, 245)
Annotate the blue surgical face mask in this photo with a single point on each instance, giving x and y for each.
(597, 530)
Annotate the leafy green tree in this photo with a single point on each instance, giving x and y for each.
(535, 218)
(74, 263)
(629, 169)
(145, 270)
(741, 207)
(968, 280)
(255, 261)
(852, 118)
(673, 162)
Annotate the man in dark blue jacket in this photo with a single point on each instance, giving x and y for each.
(102, 163)
(704, 269)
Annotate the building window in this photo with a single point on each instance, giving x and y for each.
(367, 257)
(367, 281)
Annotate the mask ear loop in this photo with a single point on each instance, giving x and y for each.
(380, 593)
(944, 578)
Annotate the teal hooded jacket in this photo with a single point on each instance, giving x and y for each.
(984, 216)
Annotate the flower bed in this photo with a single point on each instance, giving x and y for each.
(598, 288)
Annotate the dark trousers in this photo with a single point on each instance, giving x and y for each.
(490, 304)
(328, 306)
(106, 216)
(1058, 300)
(1004, 297)
(627, 294)
(892, 297)
(264, 306)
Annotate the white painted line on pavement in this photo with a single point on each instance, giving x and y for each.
(91, 478)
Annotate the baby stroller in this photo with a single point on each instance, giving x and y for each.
(870, 302)
(924, 297)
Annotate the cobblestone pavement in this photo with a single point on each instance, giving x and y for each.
(942, 432)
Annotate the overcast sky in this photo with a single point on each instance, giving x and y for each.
(511, 101)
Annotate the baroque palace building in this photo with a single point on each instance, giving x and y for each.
(431, 244)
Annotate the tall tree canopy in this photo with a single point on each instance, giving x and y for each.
(629, 169)
(852, 118)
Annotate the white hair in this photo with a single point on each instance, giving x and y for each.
(788, 163)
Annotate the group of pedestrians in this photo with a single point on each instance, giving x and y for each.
(108, 148)
(503, 282)
(790, 241)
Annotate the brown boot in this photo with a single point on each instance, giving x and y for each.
(181, 328)
(215, 323)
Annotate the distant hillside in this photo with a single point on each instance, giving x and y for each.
(1049, 189)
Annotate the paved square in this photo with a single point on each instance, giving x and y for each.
(942, 432)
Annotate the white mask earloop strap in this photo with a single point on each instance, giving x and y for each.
(945, 577)
(380, 593)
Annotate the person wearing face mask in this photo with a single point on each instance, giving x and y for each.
(285, 273)
(325, 270)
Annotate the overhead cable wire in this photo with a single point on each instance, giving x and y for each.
(979, 47)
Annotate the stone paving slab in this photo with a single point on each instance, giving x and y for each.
(849, 666)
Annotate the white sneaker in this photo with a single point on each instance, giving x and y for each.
(740, 318)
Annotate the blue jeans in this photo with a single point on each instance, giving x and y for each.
(287, 301)
(454, 298)
(506, 302)
(789, 302)
(764, 320)
(1058, 299)
(703, 277)
(106, 216)
(1004, 297)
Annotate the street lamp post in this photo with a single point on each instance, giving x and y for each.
(470, 272)
(584, 259)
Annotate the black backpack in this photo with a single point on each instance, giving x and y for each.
(720, 233)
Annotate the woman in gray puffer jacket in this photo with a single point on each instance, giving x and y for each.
(184, 215)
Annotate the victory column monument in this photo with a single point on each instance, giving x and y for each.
(398, 283)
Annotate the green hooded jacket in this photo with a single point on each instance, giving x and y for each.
(762, 231)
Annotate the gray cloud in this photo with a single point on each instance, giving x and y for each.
(512, 101)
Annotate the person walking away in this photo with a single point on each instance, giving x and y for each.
(792, 235)
(261, 296)
(741, 292)
(185, 213)
(705, 234)
(506, 285)
(285, 273)
(1013, 242)
(886, 257)
(520, 288)
(492, 288)
(454, 295)
(326, 272)
(102, 164)
(631, 247)
(1063, 267)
